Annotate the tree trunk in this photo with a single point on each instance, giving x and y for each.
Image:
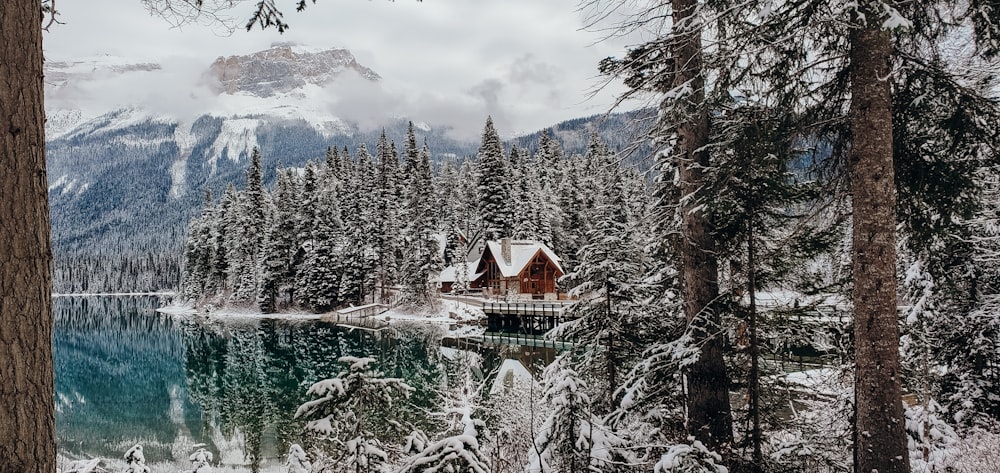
(27, 422)
(880, 443)
(709, 416)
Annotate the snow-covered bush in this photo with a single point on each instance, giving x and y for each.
(932, 442)
(454, 453)
(690, 458)
(135, 461)
(297, 461)
(201, 461)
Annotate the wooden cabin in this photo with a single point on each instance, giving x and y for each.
(524, 267)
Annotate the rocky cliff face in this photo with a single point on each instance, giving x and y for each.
(283, 68)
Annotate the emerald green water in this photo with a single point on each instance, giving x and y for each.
(126, 374)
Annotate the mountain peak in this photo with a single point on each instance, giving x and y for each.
(283, 68)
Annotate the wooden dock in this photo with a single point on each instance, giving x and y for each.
(525, 318)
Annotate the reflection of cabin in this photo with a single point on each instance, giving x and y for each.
(522, 267)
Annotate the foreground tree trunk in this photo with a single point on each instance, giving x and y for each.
(709, 416)
(27, 423)
(880, 437)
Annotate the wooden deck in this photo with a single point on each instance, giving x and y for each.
(525, 318)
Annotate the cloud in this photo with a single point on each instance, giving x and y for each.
(527, 69)
(528, 63)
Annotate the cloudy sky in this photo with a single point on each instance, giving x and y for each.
(529, 63)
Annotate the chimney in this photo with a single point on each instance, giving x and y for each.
(505, 250)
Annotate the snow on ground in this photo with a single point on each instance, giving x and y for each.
(448, 312)
(178, 176)
(237, 136)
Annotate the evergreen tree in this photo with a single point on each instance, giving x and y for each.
(494, 186)
(200, 253)
(605, 282)
(571, 438)
(767, 223)
(323, 267)
(354, 411)
(278, 269)
(359, 253)
(251, 221)
(387, 222)
(423, 250)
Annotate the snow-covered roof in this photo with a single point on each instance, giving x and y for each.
(521, 253)
(448, 274)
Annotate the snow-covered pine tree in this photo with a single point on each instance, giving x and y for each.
(322, 268)
(278, 268)
(251, 226)
(221, 266)
(359, 252)
(525, 198)
(911, 43)
(494, 186)
(605, 280)
(387, 223)
(672, 67)
(353, 413)
(296, 460)
(325, 262)
(135, 460)
(422, 249)
(450, 210)
(333, 161)
(572, 437)
(306, 216)
(200, 252)
(767, 221)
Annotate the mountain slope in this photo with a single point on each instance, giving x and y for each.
(124, 183)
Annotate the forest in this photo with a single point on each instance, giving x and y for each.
(358, 225)
(837, 156)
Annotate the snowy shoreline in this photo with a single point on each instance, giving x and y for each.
(450, 312)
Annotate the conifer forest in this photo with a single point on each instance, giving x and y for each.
(793, 267)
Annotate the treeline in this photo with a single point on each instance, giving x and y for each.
(152, 270)
(358, 225)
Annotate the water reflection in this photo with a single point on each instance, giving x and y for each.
(126, 374)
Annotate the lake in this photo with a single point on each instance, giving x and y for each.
(126, 374)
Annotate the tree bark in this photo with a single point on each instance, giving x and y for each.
(880, 435)
(27, 422)
(709, 415)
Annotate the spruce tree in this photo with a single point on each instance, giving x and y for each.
(278, 269)
(387, 222)
(493, 185)
(422, 250)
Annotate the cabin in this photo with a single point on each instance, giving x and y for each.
(525, 269)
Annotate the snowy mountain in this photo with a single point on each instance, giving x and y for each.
(133, 145)
(284, 68)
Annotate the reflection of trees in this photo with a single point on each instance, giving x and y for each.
(116, 362)
(254, 377)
